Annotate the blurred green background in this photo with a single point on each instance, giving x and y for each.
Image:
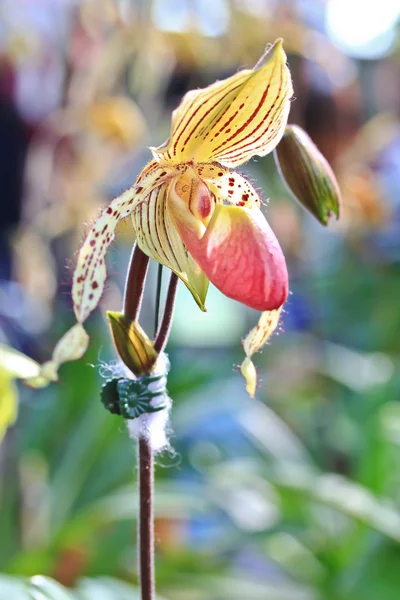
(294, 495)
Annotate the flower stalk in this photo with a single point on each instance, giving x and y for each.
(134, 288)
(135, 280)
(146, 518)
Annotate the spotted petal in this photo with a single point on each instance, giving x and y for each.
(255, 340)
(90, 273)
(234, 119)
(238, 252)
(229, 186)
(158, 237)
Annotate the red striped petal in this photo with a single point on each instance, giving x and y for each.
(158, 238)
(232, 120)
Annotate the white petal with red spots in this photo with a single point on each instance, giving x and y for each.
(90, 273)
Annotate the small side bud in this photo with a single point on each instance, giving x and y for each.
(308, 174)
(133, 345)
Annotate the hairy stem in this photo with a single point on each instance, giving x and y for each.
(146, 520)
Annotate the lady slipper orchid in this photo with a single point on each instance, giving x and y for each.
(190, 211)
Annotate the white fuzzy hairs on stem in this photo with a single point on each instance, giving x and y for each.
(154, 426)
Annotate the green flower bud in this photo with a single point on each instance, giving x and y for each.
(133, 345)
(307, 174)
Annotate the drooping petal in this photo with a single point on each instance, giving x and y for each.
(229, 186)
(71, 346)
(16, 364)
(158, 238)
(234, 119)
(90, 272)
(238, 252)
(255, 340)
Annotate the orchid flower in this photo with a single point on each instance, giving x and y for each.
(193, 213)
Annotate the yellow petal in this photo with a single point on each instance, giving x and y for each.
(254, 340)
(229, 186)
(234, 119)
(71, 346)
(16, 364)
(250, 374)
(90, 273)
(8, 402)
(159, 239)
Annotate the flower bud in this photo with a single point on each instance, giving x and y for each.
(307, 174)
(133, 345)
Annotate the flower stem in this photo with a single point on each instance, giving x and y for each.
(158, 298)
(134, 287)
(165, 326)
(134, 284)
(146, 518)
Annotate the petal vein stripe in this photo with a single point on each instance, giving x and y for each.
(158, 238)
(222, 122)
(250, 119)
(278, 125)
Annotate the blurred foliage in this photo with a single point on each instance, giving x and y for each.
(43, 588)
(292, 496)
